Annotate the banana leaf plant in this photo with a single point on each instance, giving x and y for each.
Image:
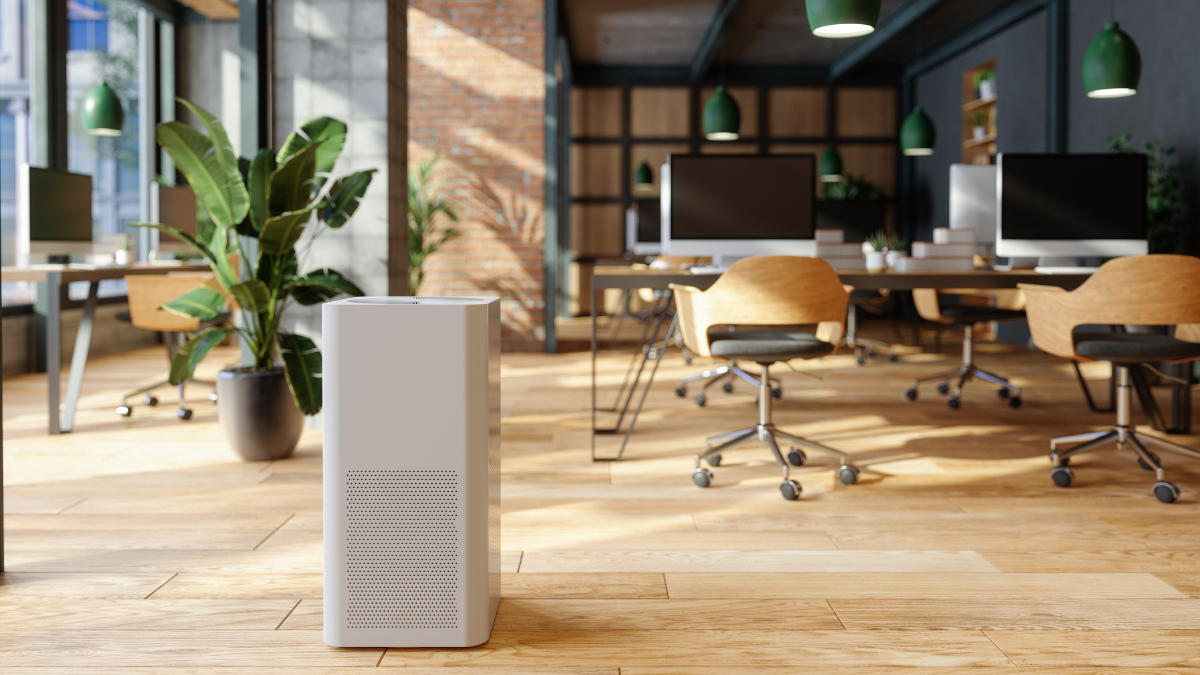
(272, 198)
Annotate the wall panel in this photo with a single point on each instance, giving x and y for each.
(866, 112)
(659, 112)
(798, 112)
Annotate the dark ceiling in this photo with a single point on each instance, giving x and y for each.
(668, 33)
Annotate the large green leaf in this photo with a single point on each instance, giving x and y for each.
(284, 266)
(344, 197)
(201, 303)
(280, 234)
(321, 285)
(192, 352)
(291, 183)
(302, 360)
(259, 186)
(210, 165)
(330, 133)
(252, 296)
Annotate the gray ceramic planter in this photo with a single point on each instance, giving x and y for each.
(260, 420)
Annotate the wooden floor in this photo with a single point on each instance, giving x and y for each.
(144, 546)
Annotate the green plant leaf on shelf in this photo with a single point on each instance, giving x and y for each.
(302, 360)
(252, 296)
(201, 303)
(280, 233)
(291, 183)
(259, 184)
(345, 194)
(192, 352)
(329, 133)
(323, 284)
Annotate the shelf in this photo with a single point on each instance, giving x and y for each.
(972, 143)
(978, 103)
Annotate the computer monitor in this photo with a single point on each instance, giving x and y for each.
(973, 201)
(174, 207)
(730, 206)
(1071, 205)
(54, 212)
(643, 227)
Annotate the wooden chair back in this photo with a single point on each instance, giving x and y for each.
(765, 291)
(148, 292)
(1154, 290)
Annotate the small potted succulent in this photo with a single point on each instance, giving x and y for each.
(978, 121)
(985, 84)
(895, 249)
(124, 251)
(878, 241)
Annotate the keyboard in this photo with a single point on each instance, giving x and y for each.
(1065, 270)
(707, 269)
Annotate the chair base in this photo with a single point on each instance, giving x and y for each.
(965, 373)
(864, 348)
(768, 436)
(729, 372)
(183, 412)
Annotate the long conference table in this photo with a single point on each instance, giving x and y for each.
(626, 277)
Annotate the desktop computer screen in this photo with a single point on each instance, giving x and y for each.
(643, 227)
(1071, 205)
(54, 211)
(738, 205)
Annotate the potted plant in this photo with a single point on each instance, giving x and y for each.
(878, 241)
(269, 202)
(425, 237)
(854, 205)
(121, 256)
(978, 121)
(895, 249)
(1166, 229)
(985, 84)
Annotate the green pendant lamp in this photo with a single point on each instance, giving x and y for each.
(102, 112)
(917, 134)
(643, 178)
(722, 118)
(842, 18)
(830, 166)
(1112, 65)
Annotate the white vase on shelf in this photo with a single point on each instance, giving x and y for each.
(891, 258)
(876, 261)
(980, 133)
(987, 90)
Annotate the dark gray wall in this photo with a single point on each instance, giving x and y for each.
(1165, 107)
(1020, 54)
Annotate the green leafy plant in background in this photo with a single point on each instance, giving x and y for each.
(425, 208)
(983, 76)
(878, 240)
(272, 198)
(978, 118)
(1165, 226)
(895, 242)
(853, 189)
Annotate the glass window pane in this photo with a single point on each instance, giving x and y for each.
(15, 136)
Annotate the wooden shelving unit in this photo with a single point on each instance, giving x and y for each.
(978, 109)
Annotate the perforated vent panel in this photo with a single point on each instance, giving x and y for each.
(402, 549)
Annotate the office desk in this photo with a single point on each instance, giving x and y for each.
(627, 278)
(53, 279)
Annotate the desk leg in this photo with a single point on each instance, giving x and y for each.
(593, 304)
(83, 343)
(50, 299)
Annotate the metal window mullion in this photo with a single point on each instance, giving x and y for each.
(147, 102)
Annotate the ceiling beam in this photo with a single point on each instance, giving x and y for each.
(714, 37)
(904, 17)
(973, 34)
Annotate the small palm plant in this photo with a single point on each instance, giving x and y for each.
(425, 236)
(269, 200)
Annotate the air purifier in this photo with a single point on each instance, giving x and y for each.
(411, 471)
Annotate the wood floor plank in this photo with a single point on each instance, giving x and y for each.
(93, 614)
(1136, 649)
(715, 648)
(100, 540)
(1030, 539)
(305, 670)
(613, 540)
(1012, 614)
(729, 614)
(245, 585)
(1185, 583)
(884, 670)
(1101, 559)
(510, 561)
(308, 615)
(903, 521)
(919, 585)
(571, 586)
(84, 585)
(739, 562)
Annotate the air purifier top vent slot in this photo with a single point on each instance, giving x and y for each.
(422, 300)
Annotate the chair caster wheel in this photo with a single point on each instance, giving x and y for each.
(124, 411)
(184, 414)
(1002, 393)
(797, 457)
(954, 402)
(790, 490)
(1166, 492)
(700, 400)
(687, 360)
(944, 388)
(777, 392)
(213, 397)
(1142, 463)
(861, 359)
(848, 474)
(715, 460)
(1014, 402)
(911, 394)
(681, 391)
(727, 387)
(1062, 476)
(702, 478)
(870, 353)
(149, 400)
(893, 357)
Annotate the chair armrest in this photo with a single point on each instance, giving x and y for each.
(927, 305)
(689, 305)
(1052, 319)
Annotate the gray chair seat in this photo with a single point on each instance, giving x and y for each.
(765, 346)
(1134, 347)
(974, 314)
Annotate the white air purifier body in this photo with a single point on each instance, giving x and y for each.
(411, 471)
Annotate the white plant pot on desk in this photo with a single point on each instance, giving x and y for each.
(121, 256)
(875, 261)
(891, 258)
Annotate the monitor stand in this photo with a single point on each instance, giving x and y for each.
(724, 261)
(1058, 261)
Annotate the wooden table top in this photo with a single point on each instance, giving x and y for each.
(624, 276)
(39, 273)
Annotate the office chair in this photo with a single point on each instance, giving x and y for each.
(964, 316)
(866, 348)
(146, 294)
(1154, 290)
(764, 292)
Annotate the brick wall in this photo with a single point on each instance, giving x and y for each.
(477, 100)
